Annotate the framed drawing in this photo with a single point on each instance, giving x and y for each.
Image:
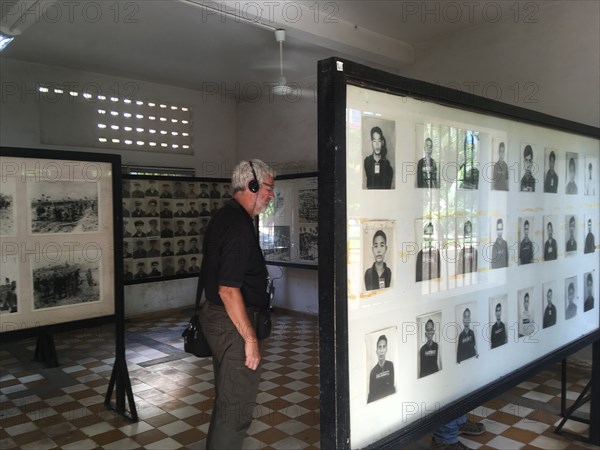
(462, 254)
(59, 236)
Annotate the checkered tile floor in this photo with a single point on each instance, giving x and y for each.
(62, 408)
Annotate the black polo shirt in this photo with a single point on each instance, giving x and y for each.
(233, 257)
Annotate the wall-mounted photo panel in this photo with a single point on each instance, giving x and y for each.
(379, 152)
(550, 295)
(500, 178)
(7, 206)
(526, 304)
(570, 234)
(588, 291)
(590, 169)
(434, 210)
(571, 299)
(551, 247)
(378, 250)
(550, 170)
(530, 167)
(382, 352)
(499, 255)
(498, 316)
(429, 349)
(572, 174)
(469, 331)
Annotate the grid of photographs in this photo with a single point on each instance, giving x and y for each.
(164, 221)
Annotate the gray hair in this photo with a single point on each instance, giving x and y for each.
(242, 174)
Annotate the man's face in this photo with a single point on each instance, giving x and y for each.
(549, 297)
(376, 142)
(571, 293)
(588, 287)
(498, 313)
(552, 162)
(589, 226)
(526, 303)
(379, 249)
(526, 230)
(428, 148)
(549, 228)
(572, 229)
(499, 229)
(572, 171)
(528, 162)
(381, 349)
(181, 264)
(429, 332)
(467, 319)
(501, 153)
(265, 194)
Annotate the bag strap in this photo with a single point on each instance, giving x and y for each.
(201, 280)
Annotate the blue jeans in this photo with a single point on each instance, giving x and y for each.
(448, 434)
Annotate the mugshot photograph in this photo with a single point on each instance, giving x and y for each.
(550, 314)
(378, 149)
(498, 334)
(140, 271)
(550, 244)
(468, 171)
(588, 289)
(500, 169)
(427, 171)
(551, 177)
(467, 346)
(428, 259)
(381, 376)
(528, 179)
(467, 257)
(570, 297)
(168, 268)
(526, 245)
(499, 257)
(571, 235)
(378, 275)
(571, 187)
(526, 318)
(430, 360)
(590, 240)
(152, 208)
(590, 183)
(137, 191)
(151, 190)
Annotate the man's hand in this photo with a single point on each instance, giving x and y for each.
(252, 354)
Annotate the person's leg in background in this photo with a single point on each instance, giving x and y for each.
(446, 436)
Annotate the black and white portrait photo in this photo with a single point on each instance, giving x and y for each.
(590, 181)
(528, 168)
(467, 255)
(308, 205)
(549, 296)
(427, 167)
(498, 313)
(570, 234)
(589, 240)
(550, 244)
(281, 243)
(429, 356)
(382, 349)
(500, 175)
(7, 206)
(499, 254)
(378, 143)
(468, 170)
(527, 248)
(466, 345)
(63, 206)
(525, 302)
(550, 175)
(588, 291)
(429, 264)
(570, 297)
(571, 176)
(377, 252)
(65, 280)
(9, 295)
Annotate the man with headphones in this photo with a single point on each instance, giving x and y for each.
(235, 280)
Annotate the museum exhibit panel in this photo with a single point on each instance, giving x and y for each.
(438, 247)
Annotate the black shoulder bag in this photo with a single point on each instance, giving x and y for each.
(194, 340)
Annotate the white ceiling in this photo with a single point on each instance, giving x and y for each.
(178, 43)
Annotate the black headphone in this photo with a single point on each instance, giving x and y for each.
(253, 185)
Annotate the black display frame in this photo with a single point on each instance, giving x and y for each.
(334, 75)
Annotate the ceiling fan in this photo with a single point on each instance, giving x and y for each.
(281, 88)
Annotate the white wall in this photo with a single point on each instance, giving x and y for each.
(285, 133)
(214, 147)
(552, 65)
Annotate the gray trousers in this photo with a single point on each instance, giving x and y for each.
(236, 386)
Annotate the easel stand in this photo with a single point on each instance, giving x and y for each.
(45, 351)
(587, 395)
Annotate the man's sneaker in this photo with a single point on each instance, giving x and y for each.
(471, 428)
(457, 446)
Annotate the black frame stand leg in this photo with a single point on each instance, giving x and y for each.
(45, 350)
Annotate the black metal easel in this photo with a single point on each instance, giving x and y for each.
(588, 394)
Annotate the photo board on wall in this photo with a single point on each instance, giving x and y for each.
(468, 248)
